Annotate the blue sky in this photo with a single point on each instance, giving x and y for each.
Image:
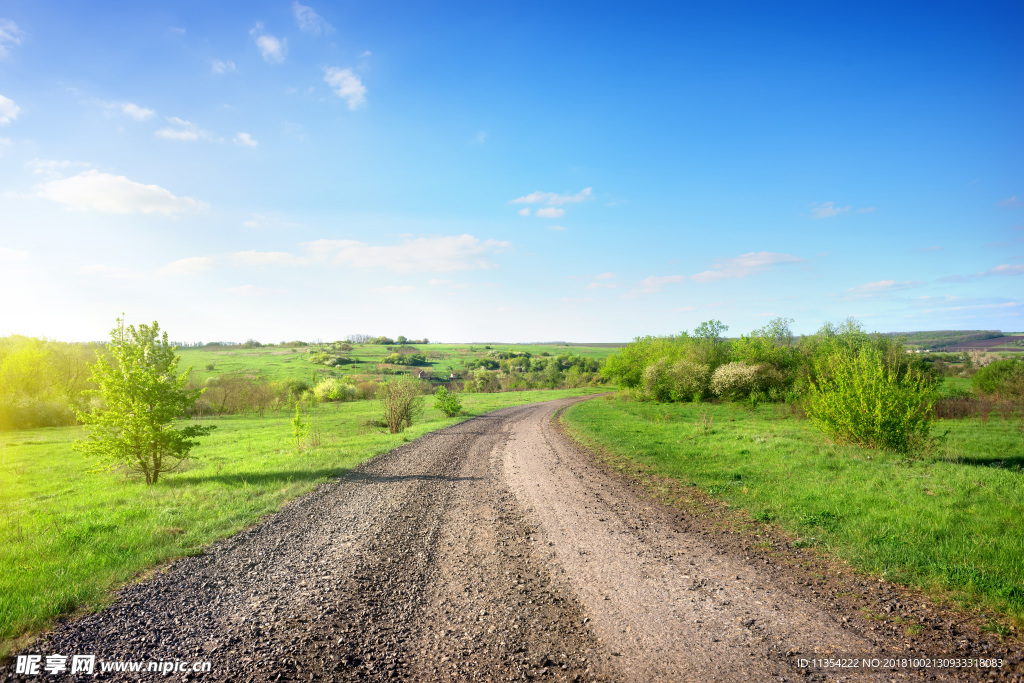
(508, 172)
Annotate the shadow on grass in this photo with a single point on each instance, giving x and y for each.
(1015, 462)
(277, 478)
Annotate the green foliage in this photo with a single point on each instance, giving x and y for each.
(401, 401)
(447, 402)
(300, 427)
(140, 395)
(405, 359)
(1004, 378)
(869, 396)
(42, 381)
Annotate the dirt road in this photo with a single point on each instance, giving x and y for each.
(491, 550)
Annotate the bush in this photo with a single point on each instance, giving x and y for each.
(447, 402)
(402, 402)
(334, 389)
(735, 380)
(367, 390)
(1004, 378)
(689, 380)
(869, 397)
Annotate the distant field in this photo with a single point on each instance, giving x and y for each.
(69, 532)
(277, 363)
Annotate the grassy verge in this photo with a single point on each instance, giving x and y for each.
(949, 522)
(69, 532)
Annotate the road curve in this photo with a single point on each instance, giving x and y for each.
(490, 550)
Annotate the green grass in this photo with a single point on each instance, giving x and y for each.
(950, 521)
(273, 363)
(70, 532)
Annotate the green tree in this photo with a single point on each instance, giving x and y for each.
(140, 395)
(447, 402)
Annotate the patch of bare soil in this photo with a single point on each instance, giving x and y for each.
(497, 549)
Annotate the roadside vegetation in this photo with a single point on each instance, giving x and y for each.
(909, 466)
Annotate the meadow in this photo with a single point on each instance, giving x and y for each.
(277, 363)
(947, 520)
(70, 532)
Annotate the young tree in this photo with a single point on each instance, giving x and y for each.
(140, 396)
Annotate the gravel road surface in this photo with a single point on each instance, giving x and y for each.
(491, 550)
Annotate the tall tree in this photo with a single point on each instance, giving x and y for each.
(140, 396)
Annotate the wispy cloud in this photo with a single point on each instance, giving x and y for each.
(106, 193)
(392, 289)
(220, 67)
(272, 49)
(254, 258)
(245, 140)
(183, 131)
(309, 21)
(52, 169)
(187, 266)
(554, 199)
(8, 110)
(744, 265)
(1010, 203)
(652, 284)
(480, 137)
(605, 281)
(524, 211)
(247, 290)
(10, 35)
(880, 288)
(423, 254)
(550, 212)
(1004, 269)
(8, 255)
(109, 272)
(346, 85)
(129, 109)
(827, 210)
(559, 228)
(927, 249)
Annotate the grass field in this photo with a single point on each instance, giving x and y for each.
(282, 363)
(69, 532)
(949, 521)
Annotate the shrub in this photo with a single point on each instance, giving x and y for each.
(1004, 378)
(334, 389)
(447, 402)
(735, 380)
(869, 397)
(402, 402)
(689, 379)
(367, 390)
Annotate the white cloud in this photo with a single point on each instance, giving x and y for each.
(1010, 202)
(8, 255)
(744, 265)
(392, 289)
(219, 67)
(128, 109)
(10, 35)
(265, 258)
(95, 191)
(183, 131)
(652, 284)
(346, 85)
(52, 169)
(881, 287)
(8, 110)
(309, 21)
(1008, 304)
(1005, 269)
(272, 49)
(550, 212)
(245, 140)
(524, 211)
(557, 227)
(866, 209)
(827, 210)
(605, 276)
(247, 290)
(111, 272)
(187, 266)
(424, 254)
(554, 199)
